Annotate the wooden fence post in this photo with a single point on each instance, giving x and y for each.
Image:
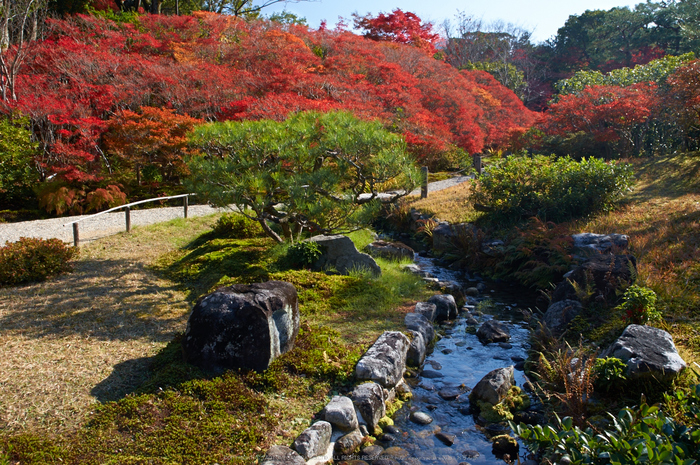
(424, 185)
(477, 163)
(186, 204)
(127, 213)
(76, 235)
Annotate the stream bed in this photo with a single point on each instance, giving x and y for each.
(455, 365)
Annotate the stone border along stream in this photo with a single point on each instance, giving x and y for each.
(113, 223)
(380, 379)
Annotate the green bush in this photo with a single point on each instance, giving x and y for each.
(303, 254)
(639, 305)
(237, 226)
(31, 259)
(550, 188)
(609, 374)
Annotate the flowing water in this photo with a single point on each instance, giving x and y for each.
(457, 363)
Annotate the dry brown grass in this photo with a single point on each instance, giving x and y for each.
(662, 218)
(87, 336)
(448, 204)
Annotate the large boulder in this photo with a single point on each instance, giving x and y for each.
(282, 455)
(647, 350)
(390, 250)
(494, 387)
(314, 441)
(605, 275)
(445, 307)
(242, 326)
(418, 322)
(385, 361)
(560, 314)
(493, 331)
(340, 253)
(368, 399)
(340, 412)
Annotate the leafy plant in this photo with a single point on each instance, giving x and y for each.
(303, 254)
(644, 434)
(567, 376)
(639, 305)
(16, 157)
(609, 373)
(539, 254)
(32, 259)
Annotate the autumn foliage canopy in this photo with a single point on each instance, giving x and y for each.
(100, 92)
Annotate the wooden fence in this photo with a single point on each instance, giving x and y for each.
(127, 212)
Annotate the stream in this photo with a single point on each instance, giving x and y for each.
(455, 365)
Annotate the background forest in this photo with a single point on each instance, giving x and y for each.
(99, 97)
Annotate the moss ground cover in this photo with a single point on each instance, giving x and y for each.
(123, 311)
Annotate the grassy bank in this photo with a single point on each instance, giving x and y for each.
(661, 215)
(110, 332)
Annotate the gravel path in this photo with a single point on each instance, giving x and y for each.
(113, 223)
(95, 228)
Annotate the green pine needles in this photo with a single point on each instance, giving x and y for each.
(318, 172)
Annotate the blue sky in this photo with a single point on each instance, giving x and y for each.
(543, 17)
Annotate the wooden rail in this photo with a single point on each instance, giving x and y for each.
(127, 213)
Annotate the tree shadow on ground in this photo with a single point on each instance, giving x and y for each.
(125, 379)
(211, 260)
(100, 299)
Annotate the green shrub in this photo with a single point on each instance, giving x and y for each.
(303, 254)
(237, 226)
(550, 188)
(31, 259)
(609, 373)
(639, 305)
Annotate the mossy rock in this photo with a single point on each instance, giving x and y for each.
(384, 422)
(514, 401)
(494, 413)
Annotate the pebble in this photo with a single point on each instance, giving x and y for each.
(397, 452)
(435, 365)
(386, 437)
(421, 418)
(505, 345)
(447, 351)
(391, 429)
(449, 393)
(431, 374)
(470, 454)
(447, 439)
